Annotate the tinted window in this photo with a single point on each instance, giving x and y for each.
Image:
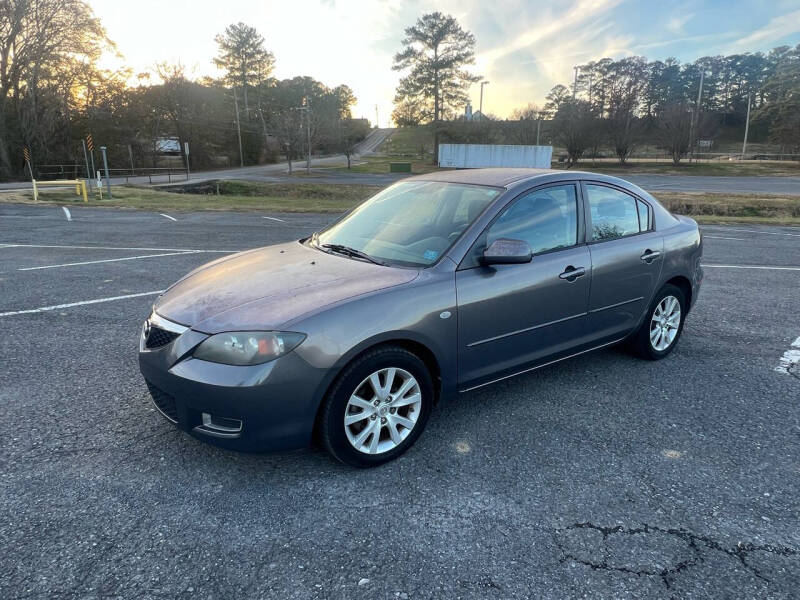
(614, 213)
(547, 219)
(644, 216)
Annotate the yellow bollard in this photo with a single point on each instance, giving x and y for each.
(83, 189)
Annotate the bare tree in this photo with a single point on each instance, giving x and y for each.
(43, 43)
(575, 128)
(673, 127)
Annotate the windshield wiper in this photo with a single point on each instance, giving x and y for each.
(347, 250)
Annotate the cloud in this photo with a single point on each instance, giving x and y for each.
(677, 21)
(777, 29)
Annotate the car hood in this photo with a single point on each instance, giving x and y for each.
(264, 288)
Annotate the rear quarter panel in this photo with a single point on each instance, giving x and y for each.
(683, 250)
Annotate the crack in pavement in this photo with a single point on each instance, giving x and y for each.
(696, 543)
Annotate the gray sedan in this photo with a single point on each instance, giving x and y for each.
(437, 285)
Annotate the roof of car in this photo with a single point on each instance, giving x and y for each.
(495, 177)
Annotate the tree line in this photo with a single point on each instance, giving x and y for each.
(611, 104)
(53, 93)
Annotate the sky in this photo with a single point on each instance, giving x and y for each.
(524, 47)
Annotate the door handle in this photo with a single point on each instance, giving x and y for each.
(650, 255)
(572, 273)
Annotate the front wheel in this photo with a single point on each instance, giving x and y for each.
(662, 325)
(378, 407)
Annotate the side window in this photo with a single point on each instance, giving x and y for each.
(546, 218)
(645, 221)
(614, 213)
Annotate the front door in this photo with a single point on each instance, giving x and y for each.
(511, 316)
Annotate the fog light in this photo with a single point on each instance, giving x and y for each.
(221, 424)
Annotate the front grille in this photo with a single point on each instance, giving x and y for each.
(164, 403)
(159, 337)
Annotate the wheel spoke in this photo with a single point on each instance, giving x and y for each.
(375, 382)
(412, 399)
(389, 381)
(672, 302)
(393, 433)
(407, 423)
(365, 433)
(376, 437)
(404, 389)
(360, 402)
(355, 418)
(654, 335)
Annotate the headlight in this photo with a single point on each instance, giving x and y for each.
(248, 347)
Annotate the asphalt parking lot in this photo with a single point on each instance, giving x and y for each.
(602, 476)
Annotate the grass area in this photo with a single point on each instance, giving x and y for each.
(409, 142)
(234, 195)
(707, 207)
(380, 164)
(730, 169)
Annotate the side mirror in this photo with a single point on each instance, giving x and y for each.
(507, 252)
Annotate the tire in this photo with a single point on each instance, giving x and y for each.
(661, 345)
(404, 404)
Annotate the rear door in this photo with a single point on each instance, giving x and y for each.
(626, 256)
(510, 316)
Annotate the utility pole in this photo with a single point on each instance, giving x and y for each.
(377, 122)
(480, 105)
(308, 134)
(538, 129)
(238, 128)
(105, 166)
(696, 113)
(746, 127)
(130, 154)
(575, 84)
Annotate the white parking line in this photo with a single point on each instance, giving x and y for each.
(274, 219)
(71, 304)
(167, 216)
(762, 232)
(107, 260)
(790, 358)
(718, 237)
(764, 267)
(119, 248)
(67, 213)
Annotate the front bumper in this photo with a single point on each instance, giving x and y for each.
(266, 407)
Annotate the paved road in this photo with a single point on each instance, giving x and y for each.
(604, 476)
(273, 172)
(732, 185)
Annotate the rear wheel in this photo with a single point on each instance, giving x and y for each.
(378, 407)
(662, 325)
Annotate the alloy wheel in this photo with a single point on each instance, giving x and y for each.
(382, 411)
(665, 322)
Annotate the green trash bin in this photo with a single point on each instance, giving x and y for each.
(400, 167)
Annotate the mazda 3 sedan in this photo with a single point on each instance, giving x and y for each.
(438, 285)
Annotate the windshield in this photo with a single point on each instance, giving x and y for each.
(411, 223)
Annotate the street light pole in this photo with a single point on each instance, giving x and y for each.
(696, 114)
(575, 84)
(480, 107)
(746, 127)
(105, 166)
(238, 127)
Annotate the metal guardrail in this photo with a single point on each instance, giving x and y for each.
(47, 172)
